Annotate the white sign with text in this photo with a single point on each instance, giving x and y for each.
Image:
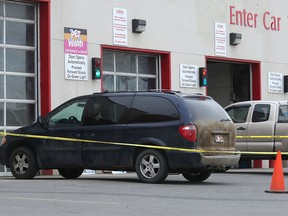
(220, 39)
(75, 48)
(120, 26)
(275, 82)
(188, 76)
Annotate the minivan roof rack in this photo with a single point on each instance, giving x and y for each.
(164, 90)
(170, 91)
(114, 91)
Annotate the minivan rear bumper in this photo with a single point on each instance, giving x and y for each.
(184, 161)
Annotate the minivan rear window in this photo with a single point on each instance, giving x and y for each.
(206, 110)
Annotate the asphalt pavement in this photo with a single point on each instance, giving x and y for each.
(235, 192)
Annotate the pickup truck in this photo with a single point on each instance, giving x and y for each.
(260, 118)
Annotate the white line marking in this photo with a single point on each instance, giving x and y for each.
(57, 200)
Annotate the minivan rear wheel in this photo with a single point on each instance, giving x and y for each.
(151, 166)
(70, 173)
(197, 176)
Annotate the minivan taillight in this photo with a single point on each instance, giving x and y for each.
(189, 132)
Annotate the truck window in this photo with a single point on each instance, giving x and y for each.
(283, 114)
(261, 112)
(238, 113)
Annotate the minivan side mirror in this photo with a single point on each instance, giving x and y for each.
(40, 120)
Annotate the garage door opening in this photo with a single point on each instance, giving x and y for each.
(229, 82)
(233, 80)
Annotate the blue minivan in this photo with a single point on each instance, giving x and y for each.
(153, 133)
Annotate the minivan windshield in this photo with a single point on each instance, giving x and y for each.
(206, 110)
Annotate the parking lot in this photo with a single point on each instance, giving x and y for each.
(236, 192)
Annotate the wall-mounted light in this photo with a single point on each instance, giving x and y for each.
(235, 38)
(138, 25)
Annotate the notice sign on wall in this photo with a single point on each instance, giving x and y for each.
(188, 76)
(75, 45)
(220, 39)
(275, 82)
(120, 26)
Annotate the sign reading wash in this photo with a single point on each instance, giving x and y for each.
(75, 45)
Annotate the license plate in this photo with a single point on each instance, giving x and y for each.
(219, 138)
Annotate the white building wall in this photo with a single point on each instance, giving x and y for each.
(185, 28)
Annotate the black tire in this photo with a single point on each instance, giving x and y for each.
(70, 173)
(151, 166)
(23, 163)
(197, 176)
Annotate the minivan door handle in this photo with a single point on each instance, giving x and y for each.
(241, 128)
(89, 136)
(77, 136)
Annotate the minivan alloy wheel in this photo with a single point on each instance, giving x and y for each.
(20, 164)
(151, 166)
(23, 163)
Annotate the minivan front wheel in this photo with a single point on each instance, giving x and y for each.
(23, 163)
(151, 166)
(197, 176)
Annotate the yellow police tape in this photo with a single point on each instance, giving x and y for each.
(264, 137)
(150, 146)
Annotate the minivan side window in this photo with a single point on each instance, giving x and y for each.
(152, 109)
(69, 114)
(104, 110)
(261, 112)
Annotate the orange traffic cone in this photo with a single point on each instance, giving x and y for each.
(277, 183)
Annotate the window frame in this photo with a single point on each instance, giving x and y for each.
(117, 74)
(26, 100)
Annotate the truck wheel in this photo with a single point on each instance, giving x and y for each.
(70, 173)
(197, 176)
(23, 163)
(151, 166)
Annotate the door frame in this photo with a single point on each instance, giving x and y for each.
(255, 87)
